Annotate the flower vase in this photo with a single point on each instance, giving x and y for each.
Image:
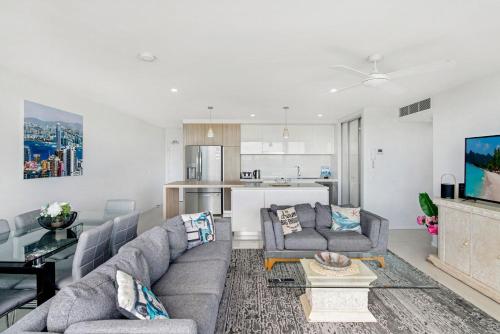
(434, 241)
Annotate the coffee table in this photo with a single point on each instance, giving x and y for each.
(346, 303)
(331, 297)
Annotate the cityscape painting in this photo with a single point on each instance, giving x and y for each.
(53, 142)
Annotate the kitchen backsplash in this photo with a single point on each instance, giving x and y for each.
(285, 165)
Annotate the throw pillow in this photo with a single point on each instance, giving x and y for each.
(346, 219)
(136, 301)
(289, 220)
(200, 228)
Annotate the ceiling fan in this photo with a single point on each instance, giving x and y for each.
(384, 81)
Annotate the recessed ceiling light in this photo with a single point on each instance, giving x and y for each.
(333, 90)
(146, 56)
(320, 115)
(252, 115)
(174, 90)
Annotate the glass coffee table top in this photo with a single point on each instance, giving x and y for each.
(397, 274)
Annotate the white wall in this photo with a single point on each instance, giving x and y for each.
(466, 111)
(123, 157)
(391, 188)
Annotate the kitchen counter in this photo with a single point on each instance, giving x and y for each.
(205, 184)
(271, 186)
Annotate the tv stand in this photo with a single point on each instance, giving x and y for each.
(468, 247)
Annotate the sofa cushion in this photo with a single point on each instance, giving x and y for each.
(217, 250)
(346, 219)
(94, 296)
(307, 239)
(191, 278)
(154, 245)
(323, 216)
(177, 239)
(305, 212)
(202, 308)
(346, 241)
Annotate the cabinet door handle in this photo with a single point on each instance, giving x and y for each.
(466, 243)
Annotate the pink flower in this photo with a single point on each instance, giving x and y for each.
(433, 229)
(420, 220)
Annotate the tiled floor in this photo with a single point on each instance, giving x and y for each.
(411, 245)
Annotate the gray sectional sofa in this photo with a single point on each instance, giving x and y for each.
(188, 282)
(316, 235)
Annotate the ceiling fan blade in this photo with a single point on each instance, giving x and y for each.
(350, 69)
(347, 87)
(392, 88)
(421, 69)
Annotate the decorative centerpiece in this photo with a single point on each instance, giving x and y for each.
(332, 261)
(430, 220)
(57, 215)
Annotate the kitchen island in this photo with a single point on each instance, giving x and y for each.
(171, 192)
(248, 200)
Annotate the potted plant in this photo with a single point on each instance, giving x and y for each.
(57, 215)
(430, 220)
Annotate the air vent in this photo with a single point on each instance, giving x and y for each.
(415, 107)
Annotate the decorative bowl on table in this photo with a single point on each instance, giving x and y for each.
(332, 261)
(60, 222)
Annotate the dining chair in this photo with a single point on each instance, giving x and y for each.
(11, 298)
(92, 250)
(26, 221)
(124, 230)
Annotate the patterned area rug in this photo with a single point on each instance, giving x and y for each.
(249, 306)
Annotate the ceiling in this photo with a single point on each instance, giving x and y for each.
(245, 57)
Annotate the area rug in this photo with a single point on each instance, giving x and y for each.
(248, 305)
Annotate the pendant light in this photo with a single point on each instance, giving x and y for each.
(210, 133)
(285, 130)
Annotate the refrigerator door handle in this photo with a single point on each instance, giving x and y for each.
(201, 165)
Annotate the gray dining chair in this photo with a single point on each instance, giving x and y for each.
(92, 250)
(11, 298)
(26, 221)
(124, 230)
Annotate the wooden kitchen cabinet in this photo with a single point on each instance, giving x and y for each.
(196, 134)
(231, 135)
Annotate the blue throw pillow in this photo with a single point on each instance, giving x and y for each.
(200, 228)
(346, 219)
(136, 301)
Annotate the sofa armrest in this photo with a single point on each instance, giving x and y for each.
(267, 230)
(223, 230)
(163, 326)
(376, 228)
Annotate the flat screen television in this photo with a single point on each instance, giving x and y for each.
(482, 168)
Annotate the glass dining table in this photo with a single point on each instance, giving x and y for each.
(25, 251)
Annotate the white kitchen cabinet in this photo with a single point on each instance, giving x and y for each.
(303, 139)
(245, 207)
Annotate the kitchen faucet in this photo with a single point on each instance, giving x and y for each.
(298, 171)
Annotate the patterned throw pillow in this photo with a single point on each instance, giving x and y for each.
(289, 220)
(346, 219)
(136, 301)
(200, 228)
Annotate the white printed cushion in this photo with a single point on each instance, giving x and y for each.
(136, 301)
(346, 219)
(289, 220)
(200, 228)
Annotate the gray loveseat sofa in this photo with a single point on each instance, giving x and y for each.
(317, 235)
(188, 282)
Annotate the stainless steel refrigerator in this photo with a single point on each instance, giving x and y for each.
(203, 163)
